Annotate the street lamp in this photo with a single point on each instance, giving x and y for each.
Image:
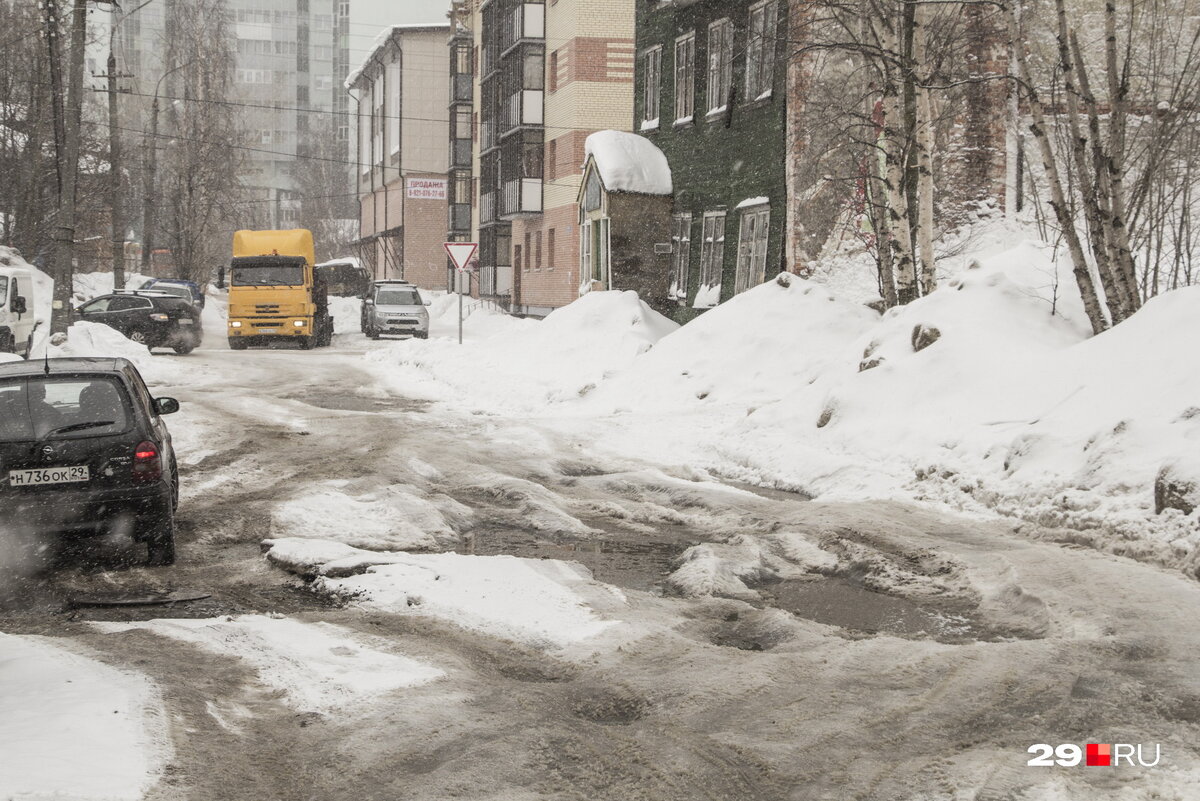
(151, 161)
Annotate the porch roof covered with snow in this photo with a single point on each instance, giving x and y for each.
(627, 162)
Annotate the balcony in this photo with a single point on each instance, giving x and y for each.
(526, 107)
(460, 153)
(460, 218)
(487, 135)
(522, 196)
(461, 88)
(523, 21)
(487, 207)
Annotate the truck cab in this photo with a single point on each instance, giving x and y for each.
(275, 292)
(16, 310)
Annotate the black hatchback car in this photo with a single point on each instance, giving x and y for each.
(84, 450)
(155, 319)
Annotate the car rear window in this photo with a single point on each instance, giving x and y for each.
(61, 407)
(174, 289)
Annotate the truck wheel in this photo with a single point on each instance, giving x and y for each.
(306, 343)
(237, 343)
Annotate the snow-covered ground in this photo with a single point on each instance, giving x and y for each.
(73, 728)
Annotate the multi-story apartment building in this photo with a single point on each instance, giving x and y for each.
(546, 75)
(403, 127)
(711, 94)
(286, 56)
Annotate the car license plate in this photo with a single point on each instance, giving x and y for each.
(48, 475)
(267, 330)
(186, 322)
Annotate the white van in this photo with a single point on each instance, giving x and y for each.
(16, 310)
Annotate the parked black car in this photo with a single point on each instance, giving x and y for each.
(84, 450)
(155, 319)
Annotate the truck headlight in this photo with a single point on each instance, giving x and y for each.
(298, 323)
(235, 324)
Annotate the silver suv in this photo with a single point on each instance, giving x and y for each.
(394, 307)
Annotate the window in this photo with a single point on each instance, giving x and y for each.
(681, 255)
(720, 64)
(552, 159)
(760, 50)
(712, 259)
(3, 291)
(651, 78)
(528, 250)
(752, 248)
(685, 77)
(553, 78)
(550, 249)
(537, 259)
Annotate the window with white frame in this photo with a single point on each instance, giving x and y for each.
(752, 248)
(681, 255)
(685, 77)
(760, 49)
(377, 121)
(712, 259)
(720, 64)
(651, 86)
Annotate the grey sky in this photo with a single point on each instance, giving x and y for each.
(369, 17)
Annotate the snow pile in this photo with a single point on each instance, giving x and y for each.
(73, 728)
(629, 163)
(86, 339)
(347, 315)
(729, 568)
(395, 517)
(317, 667)
(540, 602)
(93, 285)
(558, 359)
(772, 340)
(975, 396)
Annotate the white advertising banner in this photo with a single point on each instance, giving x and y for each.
(427, 188)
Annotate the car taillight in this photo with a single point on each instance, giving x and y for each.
(147, 466)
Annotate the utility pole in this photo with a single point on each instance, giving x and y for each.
(114, 149)
(68, 121)
(115, 169)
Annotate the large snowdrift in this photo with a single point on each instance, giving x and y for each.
(97, 340)
(524, 368)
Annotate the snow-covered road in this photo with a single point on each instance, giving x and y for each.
(722, 643)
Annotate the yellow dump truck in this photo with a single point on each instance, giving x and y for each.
(275, 292)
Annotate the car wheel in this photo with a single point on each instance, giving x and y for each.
(422, 335)
(237, 343)
(160, 544)
(184, 350)
(138, 337)
(372, 334)
(8, 344)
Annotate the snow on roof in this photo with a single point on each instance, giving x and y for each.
(384, 37)
(629, 163)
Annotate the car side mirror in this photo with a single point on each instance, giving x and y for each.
(221, 278)
(19, 305)
(166, 406)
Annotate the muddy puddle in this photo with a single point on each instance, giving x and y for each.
(349, 401)
(846, 604)
(640, 565)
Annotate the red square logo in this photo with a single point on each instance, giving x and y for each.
(1099, 755)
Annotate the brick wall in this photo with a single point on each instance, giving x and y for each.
(557, 282)
(424, 233)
